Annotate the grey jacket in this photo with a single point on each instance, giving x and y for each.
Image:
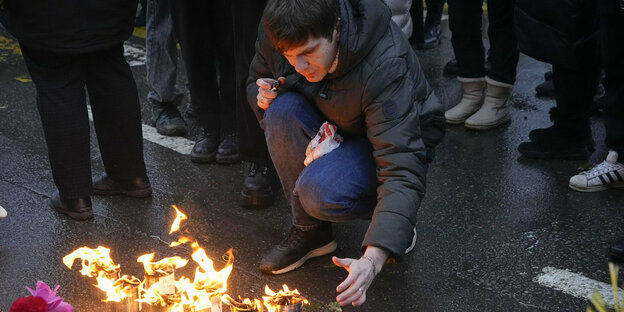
(378, 90)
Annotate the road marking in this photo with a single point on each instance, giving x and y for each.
(139, 32)
(135, 54)
(179, 144)
(23, 79)
(576, 285)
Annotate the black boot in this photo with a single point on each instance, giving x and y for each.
(76, 208)
(450, 68)
(205, 149)
(616, 250)
(259, 187)
(546, 88)
(191, 112)
(552, 143)
(227, 153)
(167, 120)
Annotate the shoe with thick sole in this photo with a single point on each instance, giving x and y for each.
(227, 152)
(168, 120)
(606, 175)
(206, 146)
(297, 248)
(258, 187)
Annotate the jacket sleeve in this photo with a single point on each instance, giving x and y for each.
(392, 102)
(260, 68)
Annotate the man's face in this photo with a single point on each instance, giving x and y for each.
(314, 58)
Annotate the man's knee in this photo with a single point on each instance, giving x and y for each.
(285, 107)
(322, 202)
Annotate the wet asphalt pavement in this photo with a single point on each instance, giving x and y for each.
(490, 223)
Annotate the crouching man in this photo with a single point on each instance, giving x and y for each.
(345, 62)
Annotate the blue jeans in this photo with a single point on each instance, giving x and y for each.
(161, 55)
(336, 187)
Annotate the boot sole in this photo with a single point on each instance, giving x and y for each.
(251, 201)
(321, 251)
(79, 216)
(598, 188)
(203, 158)
(488, 126)
(142, 193)
(455, 121)
(174, 132)
(229, 159)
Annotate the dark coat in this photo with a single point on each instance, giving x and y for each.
(553, 30)
(71, 26)
(378, 90)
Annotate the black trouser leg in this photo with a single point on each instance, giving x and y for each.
(465, 24)
(192, 24)
(611, 19)
(416, 12)
(434, 12)
(61, 101)
(116, 113)
(503, 55)
(574, 91)
(246, 16)
(224, 46)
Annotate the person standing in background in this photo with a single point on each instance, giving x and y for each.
(204, 30)
(161, 55)
(261, 181)
(486, 89)
(67, 46)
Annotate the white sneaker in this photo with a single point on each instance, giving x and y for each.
(414, 238)
(3, 212)
(608, 174)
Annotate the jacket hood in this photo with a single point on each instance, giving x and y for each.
(363, 23)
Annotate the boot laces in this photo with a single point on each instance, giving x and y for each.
(255, 168)
(293, 238)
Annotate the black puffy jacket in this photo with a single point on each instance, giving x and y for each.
(378, 90)
(70, 26)
(553, 30)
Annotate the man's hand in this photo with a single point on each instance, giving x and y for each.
(268, 89)
(361, 274)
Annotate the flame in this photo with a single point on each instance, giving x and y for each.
(98, 263)
(182, 240)
(117, 290)
(204, 291)
(95, 262)
(206, 288)
(242, 305)
(165, 266)
(284, 297)
(175, 226)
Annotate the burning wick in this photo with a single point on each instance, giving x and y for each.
(242, 305)
(285, 297)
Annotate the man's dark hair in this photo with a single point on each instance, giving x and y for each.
(290, 23)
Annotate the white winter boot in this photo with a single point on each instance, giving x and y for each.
(472, 99)
(494, 110)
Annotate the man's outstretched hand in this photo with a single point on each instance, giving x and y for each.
(361, 274)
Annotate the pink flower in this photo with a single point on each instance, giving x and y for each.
(55, 303)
